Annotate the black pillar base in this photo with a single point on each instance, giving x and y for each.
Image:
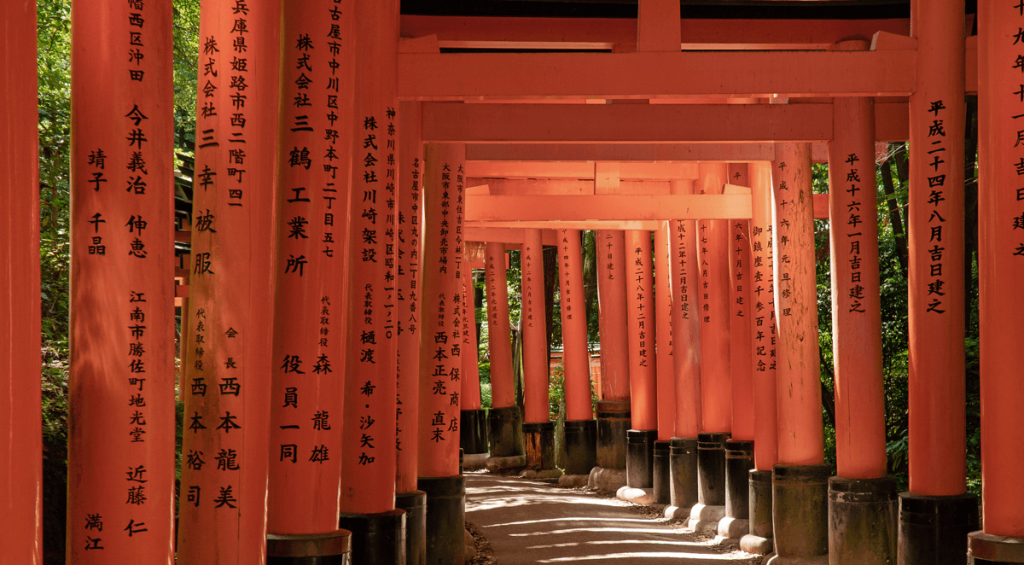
(540, 445)
(683, 473)
(334, 548)
(415, 505)
(580, 446)
(934, 529)
(662, 475)
(473, 433)
(739, 460)
(986, 549)
(640, 458)
(711, 468)
(377, 539)
(759, 540)
(800, 511)
(446, 519)
(613, 418)
(506, 429)
(862, 521)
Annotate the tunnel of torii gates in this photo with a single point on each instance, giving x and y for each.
(349, 176)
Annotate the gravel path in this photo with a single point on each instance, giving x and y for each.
(527, 522)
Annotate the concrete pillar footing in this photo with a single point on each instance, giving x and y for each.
(446, 518)
(573, 481)
(542, 474)
(677, 513)
(711, 468)
(613, 418)
(334, 548)
(934, 527)
(704, 518)
(377, 539)
(730, 530)
(800, 513)
(606, 480)
(506, 431)
(662, 472)
(472, 461)
(495, 464)
(580, 446)
(643, 496)
(640, 458)
(779, 560)
(986, 549)
(683, 474)
(756, 544)
(415, 505)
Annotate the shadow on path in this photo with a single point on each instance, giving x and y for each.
(530, 522)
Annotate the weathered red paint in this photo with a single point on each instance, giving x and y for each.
(499, 334)
(686, 322)
(666, 383)
(643, 370)
(713, 257)
(470, 357)
(764, 334)
(573, 308)
(535, 341)
(612, 278)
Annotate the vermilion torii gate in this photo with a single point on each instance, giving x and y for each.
(358, 303)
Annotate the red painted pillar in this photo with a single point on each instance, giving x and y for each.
(741, 347)
(121, 390)
(613, 409)
(580, 427)
(441, 350)
(666, 384)
(685, 322)
(800, 480)
(936, 377)
(308, 361)
(223, 508)
(410, 291)
(470, 356)
(642, 335)
(535, 351)
(713, 240)
(21, 503)
(1001, 264)
(643, 368)
(368, 458)
(499, 341)
(764, 334)
(764, 338)
(936, 387)
(538, 430)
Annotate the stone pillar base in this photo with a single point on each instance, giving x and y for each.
(540, 445)
(580, 446)
(862, 521)
(642, 496)
(415, 505)
(606, 480)
(506, 431)
(446, 519)
(739, 460)
(704, 518)
(640, 458)
(334, 548)
(683, 476)
(730, 530)
(495, 464)
(662, 474)
(775, 559)
(377, 539)
(473, 431)
(612, 423)
(711, 468)
(800, 513)
(985, 549)
(933, 529)
(759, 540)
(475, 461)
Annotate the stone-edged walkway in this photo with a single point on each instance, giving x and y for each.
(528, 522)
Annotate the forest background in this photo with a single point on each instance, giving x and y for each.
(54, 44)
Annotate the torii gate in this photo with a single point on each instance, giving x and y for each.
(781, 96)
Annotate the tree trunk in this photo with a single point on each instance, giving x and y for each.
(895, 218)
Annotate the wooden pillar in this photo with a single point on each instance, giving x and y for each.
(740, 346)
(856, 307)
(308, 360)
(799, 391)
(441, 351)
(666, 384)
(499, 340)
(121, 389)
(535, 350)
(21, 503)
(686, 322)
(1001, 264)
(368, 457)
(611, 286)
(410, 291)
(440, 355)
(713, 240)
(642, 335)
(575, 353)
(764, 335)
(936, 376)
(470, 356)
